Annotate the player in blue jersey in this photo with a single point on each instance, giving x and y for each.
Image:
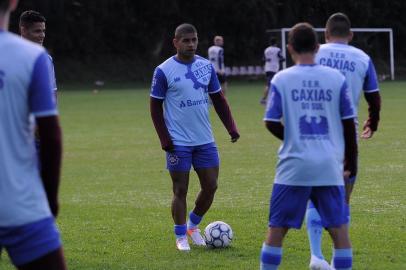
(360, 74)
(28, 197)
(32, 27)
(310, 110)
(180, 92)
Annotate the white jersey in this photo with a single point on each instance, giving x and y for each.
(311, 100)
(272, 56)
(216, 57)
(356, 66)
(25, 93)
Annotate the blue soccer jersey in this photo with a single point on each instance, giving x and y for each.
(356, 66)
(184, 89)
(311, 101)
(25, 93)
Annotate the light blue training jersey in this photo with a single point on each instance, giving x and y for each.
(311, 101)
(356, 66)
(25, 93)
(185, 88)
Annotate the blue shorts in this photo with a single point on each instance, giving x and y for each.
(200, 156)
(289, 203)
(29, 242)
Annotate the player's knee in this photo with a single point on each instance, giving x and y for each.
(210, 188)
(180, 192)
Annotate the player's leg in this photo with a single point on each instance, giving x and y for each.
(51, 261)
(271, 252)
(315, 232)
(206, 164)
(330, 202)
(287, 210)
(179, 164)
(264, 98)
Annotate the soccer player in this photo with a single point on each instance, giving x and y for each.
(273, 57)
(32, 27)
(216, 57)
(310, 110)
(180, 91)
(361, 77)
(28, 197)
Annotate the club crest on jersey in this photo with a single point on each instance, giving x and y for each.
(173, 159)
(199, 72)
(316, 126)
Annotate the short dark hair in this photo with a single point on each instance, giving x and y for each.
(4, 4)
(338, 25)
(303, 38)
(273, 41)
(29, 17)
(184, 28)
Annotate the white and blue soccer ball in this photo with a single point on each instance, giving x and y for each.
(218, 234)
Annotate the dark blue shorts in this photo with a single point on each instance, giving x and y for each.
(200, 156)
(29, 242)
(289, 203)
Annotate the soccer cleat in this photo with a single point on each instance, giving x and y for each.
(182, 243)
(318, 264)
(196, 237)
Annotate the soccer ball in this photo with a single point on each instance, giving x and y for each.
(218, 234)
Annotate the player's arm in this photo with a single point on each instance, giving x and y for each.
(280, 56)
(351, 147)
(50, 137)
(43, 107)
(223, 111)
(276, 128)
(347, 114)
(158, 92)
(373, 98)
(221, 106)
(157, 115)
(273, 113)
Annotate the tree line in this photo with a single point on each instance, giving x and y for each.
(126, 39)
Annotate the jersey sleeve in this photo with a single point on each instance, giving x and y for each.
(371, 80)
(41, 97)
(346, 106)
(214, 84)
(273, 110)
(159, 84)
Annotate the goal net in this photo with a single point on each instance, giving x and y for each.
(376, 42)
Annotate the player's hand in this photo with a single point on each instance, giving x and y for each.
(367, 133)
(168, 147)
(234, 136)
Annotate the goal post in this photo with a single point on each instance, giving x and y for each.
(284, 31)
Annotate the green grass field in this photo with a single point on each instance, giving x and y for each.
(116, 193)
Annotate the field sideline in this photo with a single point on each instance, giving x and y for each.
(116, 193)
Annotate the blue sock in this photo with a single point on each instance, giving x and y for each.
(180, 230)
(314, 231)
(342, 259)
(194, 220)
(271, 257)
